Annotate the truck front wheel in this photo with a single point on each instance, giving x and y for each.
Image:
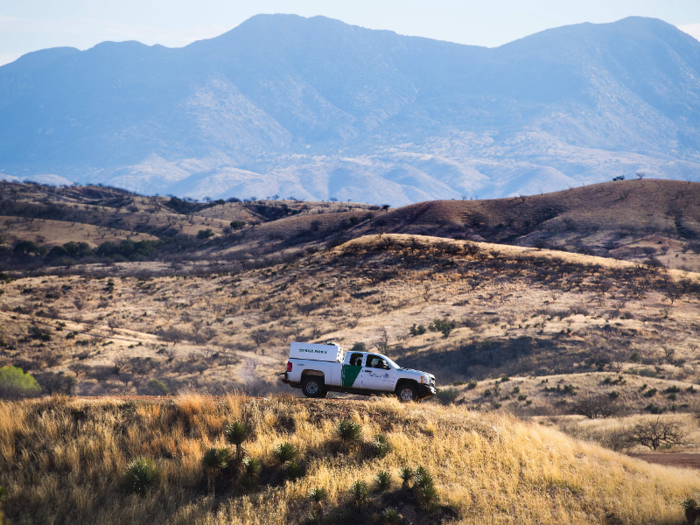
(312, 386)
(407, 392)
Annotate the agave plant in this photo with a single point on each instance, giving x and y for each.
(140, 475)
(284, 452)
(215, 460)
(236, 434)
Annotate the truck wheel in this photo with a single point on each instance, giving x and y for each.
(312, 386)
(407, 392)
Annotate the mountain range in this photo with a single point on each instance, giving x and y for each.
(313, 108)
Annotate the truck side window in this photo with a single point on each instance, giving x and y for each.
(374, 361)
(356, 360)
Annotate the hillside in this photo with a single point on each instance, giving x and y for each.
(317, 109)
(64, 460)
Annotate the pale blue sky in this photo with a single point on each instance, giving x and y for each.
(28, 25)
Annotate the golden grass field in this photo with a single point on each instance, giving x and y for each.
(62, 460)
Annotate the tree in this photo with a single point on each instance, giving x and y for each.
(594, 407)
(655, 434)
(205, 234)
(14, 383)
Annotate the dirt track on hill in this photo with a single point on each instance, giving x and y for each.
(673, 459)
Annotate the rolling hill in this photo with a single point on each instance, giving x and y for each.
(317, 109)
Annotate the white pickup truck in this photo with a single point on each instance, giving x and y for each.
(319, 369)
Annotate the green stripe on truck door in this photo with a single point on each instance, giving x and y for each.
(349, 374)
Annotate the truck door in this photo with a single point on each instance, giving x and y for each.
(350, 372)
(377, 374)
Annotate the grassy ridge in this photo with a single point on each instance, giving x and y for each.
(62, 460)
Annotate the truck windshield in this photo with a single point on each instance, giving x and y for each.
(392, 363)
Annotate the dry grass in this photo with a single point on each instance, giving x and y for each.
(62, 461)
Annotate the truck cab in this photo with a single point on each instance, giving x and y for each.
(319, 369)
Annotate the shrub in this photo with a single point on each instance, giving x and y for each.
(237, 225)
(358, 347)
(284, 452)
(382, 480)
(14, 383)
(348, 432)
(205, 234)
(472, 384)
(447, 396)
(236, 433)
(443, 326)
(417, 330)
(594, 407)
(140, 475)
(359, 493)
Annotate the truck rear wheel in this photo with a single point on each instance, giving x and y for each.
(407, 392)
(313, 386)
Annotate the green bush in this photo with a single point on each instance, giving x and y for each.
(236, 225)
(158, 386)
(472, 384)
(406, 474)
(14, 383)
(447, 396)
(391, 516)
(294, 470)
(417, 330)
(443, 326)
(214, 461)
(205, 234)
(140, 475)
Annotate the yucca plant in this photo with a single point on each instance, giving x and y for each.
(423, 477)
(382, 480)
(236, 434)
(3, 519)
(284, 452)
(293, 470)
(359, 493)
(692, 510)
(391, 516)
(214, 461)
(251, 469)
(318, 496)
(348, 432)
(427, 493)
(140, 475)
(406, 474)
(381, 446)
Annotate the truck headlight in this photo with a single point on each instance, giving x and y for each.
(424, 379)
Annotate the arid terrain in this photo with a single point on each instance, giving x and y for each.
(578, 311)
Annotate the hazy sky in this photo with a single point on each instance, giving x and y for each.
(28, 25)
